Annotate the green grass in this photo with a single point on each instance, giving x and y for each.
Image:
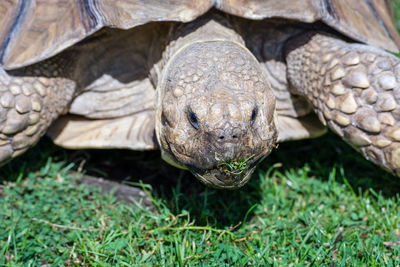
(237, 167)
(330, 207)
(396, 9)
(314, 202)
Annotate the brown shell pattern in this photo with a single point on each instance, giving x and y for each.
(33, 30)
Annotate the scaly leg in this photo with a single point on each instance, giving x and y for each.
(30, 100)
(355, 90)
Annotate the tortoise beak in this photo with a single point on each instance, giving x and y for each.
(221, 179)
(226, 176)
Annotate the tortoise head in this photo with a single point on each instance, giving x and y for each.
(215, 113)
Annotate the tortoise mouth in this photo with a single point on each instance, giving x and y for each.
(225, 175)
(218, 179)
(218, 175)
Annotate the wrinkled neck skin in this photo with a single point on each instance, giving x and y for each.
(215, 110)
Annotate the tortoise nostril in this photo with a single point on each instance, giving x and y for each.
(228, 138)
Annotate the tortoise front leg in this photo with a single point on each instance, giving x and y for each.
(355, 90)
(30, 100)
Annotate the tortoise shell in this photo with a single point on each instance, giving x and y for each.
(34, 30)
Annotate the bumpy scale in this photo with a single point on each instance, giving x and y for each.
(214, 106)
(355, 90)
(30, 100)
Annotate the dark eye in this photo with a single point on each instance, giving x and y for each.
(193, 119)
(164, 120)
(253, 116)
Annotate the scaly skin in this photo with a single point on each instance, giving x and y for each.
(31, 99)
(214, 102)
(214, 106)
(355, 90)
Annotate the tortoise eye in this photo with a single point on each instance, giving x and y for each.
(193, 119)
(253, 116)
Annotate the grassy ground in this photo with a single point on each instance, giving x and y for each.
(330, 207)
(314, 202)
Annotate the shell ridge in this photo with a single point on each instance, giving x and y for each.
(23, 6)
(90, 8)
(329, 8)
(371, 7)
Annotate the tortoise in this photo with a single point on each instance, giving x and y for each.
(214, 84)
